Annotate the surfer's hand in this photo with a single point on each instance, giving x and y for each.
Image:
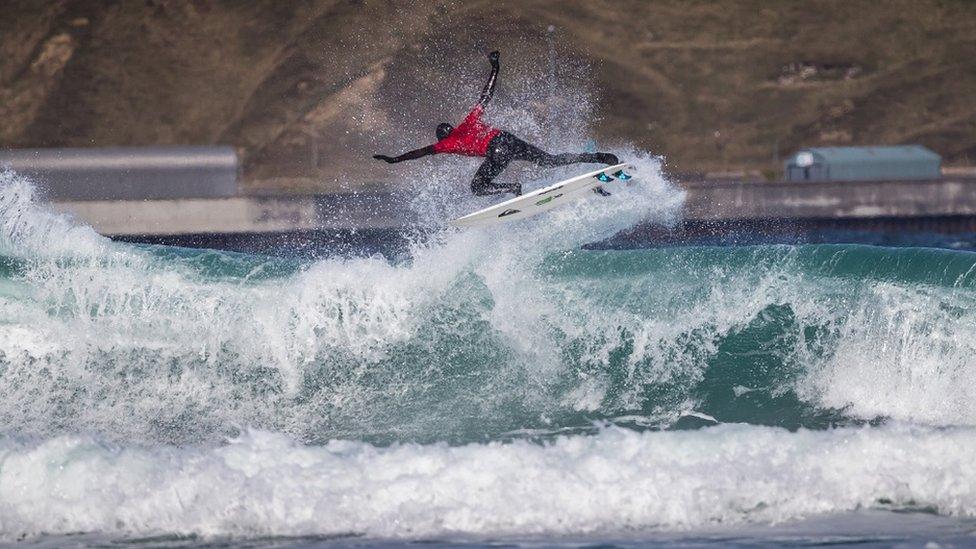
(384, 158)
(493, 58)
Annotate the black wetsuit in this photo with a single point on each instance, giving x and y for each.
(505, 147)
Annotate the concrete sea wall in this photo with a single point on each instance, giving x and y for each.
(947, 205)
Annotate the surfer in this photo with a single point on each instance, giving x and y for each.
(473, 137)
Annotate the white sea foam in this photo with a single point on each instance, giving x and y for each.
(108, 338)
(617, 481)
(138, 348)
(874, 348)
(903, 352)
(32, 230)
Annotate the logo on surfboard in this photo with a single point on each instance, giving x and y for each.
(548, 199)
(510, 211)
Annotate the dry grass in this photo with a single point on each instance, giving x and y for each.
(307, 89)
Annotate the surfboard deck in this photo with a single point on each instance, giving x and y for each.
(546, 198)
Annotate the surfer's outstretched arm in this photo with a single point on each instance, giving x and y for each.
(489, 89)
(411, 155)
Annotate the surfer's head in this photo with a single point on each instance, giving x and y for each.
(443, 130)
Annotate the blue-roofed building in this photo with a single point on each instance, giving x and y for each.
(902, 162)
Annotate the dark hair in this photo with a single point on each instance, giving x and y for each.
(443, 130)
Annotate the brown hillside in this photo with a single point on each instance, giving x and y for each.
(307, 89)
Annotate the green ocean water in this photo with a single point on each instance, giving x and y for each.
(490, 386)
(651, 339)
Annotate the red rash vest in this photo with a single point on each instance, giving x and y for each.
(470, 138)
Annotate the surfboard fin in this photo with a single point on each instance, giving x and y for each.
(601, 191)
(622, 175)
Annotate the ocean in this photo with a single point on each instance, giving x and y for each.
(497, 387)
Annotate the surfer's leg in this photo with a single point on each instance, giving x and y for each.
(483, 183)
(498, 156)
(521, 150)
(564, 159)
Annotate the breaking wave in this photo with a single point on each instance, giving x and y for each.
(494, 382)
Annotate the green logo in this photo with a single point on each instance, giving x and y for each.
(544, 200)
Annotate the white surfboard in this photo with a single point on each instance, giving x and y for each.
(547, 198)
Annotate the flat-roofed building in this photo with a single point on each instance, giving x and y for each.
(128, 173)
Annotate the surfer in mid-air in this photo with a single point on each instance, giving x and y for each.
(473, 137)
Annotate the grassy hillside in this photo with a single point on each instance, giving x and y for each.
(307, 89)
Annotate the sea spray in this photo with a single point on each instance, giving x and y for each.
(478, 387)
(614, 483)
(475, 335)
(31, 230)
(149, 344)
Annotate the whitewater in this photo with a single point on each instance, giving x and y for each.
(501, 385)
